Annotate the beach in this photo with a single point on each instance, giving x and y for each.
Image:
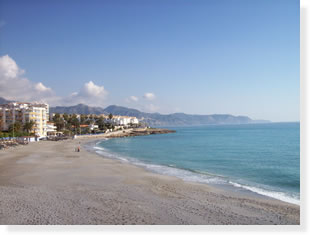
(48, 182)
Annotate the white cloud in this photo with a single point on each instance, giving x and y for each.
(149, 96)
(133, 98)
(8, 68)
(41, 88)
(90, 93)
(92, 90)
(14, 86)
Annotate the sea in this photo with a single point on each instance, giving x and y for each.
(260, 159)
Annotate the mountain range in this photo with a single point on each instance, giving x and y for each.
(4, 101)
(155, 119)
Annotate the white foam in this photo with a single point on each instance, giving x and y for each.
(277, 195)
(200, 177)
(99, 148)
(165, 170)
(110, 155)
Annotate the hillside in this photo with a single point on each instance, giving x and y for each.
(4, 101)
(156, 119)
(80, 109)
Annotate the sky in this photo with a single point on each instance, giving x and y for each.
(237, 57)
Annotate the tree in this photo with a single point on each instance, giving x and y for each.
(28, 126)
(59, 122)
(65, 117)
(75, 122)
(86, 131)
(67, 132)
(108, 125)
(4, 134)
(110, 116)
(56, 117)
(100, 123)
(15, 127)
(83, 118)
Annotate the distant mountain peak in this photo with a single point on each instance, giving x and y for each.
(157, 119)
(4, 101)
(79, 108)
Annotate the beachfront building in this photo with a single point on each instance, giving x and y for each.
(134, 120)
(88, 127)
(90, 121)
(122, 120)
(93, 127)
(25, 112)
(51, 129)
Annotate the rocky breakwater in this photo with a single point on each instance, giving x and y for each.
(139, 132)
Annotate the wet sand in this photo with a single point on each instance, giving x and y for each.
(49, 183)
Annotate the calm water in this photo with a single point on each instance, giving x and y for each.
(259, 158)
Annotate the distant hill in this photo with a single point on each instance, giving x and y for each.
(154, 119)
(80, 109)
(4, 101)
(157, 119)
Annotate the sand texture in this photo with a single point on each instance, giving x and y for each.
(49, 183)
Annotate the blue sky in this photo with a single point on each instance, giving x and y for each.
(201, 57)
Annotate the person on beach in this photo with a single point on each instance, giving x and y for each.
(77, 149)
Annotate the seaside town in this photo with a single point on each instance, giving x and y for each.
(22, 122)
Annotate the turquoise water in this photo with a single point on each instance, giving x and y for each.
(260, 158)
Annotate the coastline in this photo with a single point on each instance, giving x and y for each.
(128, 133)
(52, 184)
(189, 174)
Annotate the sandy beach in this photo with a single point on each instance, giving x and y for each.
(49, 183)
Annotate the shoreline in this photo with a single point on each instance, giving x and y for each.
(128, 133)
(49, 183)
(229, 186)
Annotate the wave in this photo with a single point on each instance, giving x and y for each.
(185, 174)
(99, 148)
(198, 176)
(274, 194)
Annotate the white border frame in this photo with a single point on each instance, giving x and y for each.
(211, 229)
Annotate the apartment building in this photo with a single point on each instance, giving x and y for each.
(123, 120)
(25, 112)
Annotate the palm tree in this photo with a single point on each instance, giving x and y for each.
(74, 121)
(100, 123)
(83, 118)
(15, 127)
(28, 126)
(65, 117)
(59, 122)
(110, 116)
(56, 117)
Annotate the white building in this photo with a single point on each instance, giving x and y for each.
(25, 112)
(134, 120)
(51, 129)
(93, 126)
(122, 120)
